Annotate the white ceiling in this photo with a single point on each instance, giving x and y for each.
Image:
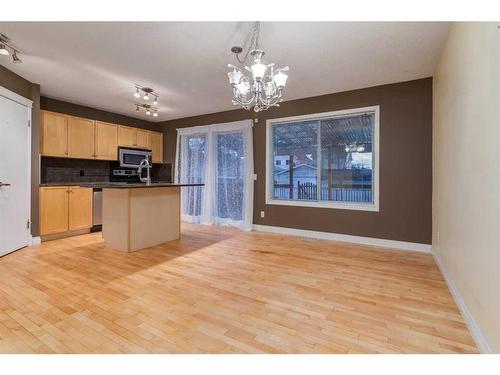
(97, 64)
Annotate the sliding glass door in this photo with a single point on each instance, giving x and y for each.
(221, 157)
(193, 165)
(230, 173)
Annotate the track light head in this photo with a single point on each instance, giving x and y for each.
(15, 59)
(146, 96)
(156, 100)
(155, 114)
(137, 94)
(4, 50)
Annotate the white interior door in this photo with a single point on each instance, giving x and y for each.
(14, 175)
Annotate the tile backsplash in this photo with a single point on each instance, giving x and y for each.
(64, 170)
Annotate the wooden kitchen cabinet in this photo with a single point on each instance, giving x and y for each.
(75, 137)
(54, 134)
(80, 138)
(80, 208)
(143, 139)
(127, 136)
(106, 141)
(65, 208)
(53, 209)
(157, 147)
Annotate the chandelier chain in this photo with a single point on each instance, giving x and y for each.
(254, 42)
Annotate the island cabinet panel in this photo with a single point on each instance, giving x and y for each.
(143, 138)
(127, 223)
(157, 147)
(54, 134)
(127, 136)
(80, 208)
(53, 209)
(80, 138)
(106, 141)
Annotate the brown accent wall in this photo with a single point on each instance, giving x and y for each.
(23, 87)
(405, 162)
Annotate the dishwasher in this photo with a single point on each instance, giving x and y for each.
(97, 210)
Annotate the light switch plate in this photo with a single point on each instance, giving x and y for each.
(262, 214)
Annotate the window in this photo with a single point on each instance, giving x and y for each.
(329, 160)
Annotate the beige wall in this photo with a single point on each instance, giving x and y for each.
(466, 170)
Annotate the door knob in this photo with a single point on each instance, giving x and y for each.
(2, 184)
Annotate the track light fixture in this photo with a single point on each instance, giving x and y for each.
(147, 108)
(15, 59)
(3, 50)
(146, 93)
(6, 49)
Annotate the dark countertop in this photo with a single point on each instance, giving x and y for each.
(121, 185)
(118, 185)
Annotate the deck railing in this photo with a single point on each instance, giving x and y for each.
(309, 191)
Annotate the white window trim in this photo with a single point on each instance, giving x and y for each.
(326, 204)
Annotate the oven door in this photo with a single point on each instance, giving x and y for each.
(131, 158)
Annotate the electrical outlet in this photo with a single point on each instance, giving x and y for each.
(255, 176)
(262, 214)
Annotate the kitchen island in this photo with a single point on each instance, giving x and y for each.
(137, 216)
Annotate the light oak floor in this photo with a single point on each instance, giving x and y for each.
(220, 290)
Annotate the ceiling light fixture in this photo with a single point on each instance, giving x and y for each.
(147, 108)
(15, 59)
(6, 49)
(3, 50)
(263, 87)
(146, 93)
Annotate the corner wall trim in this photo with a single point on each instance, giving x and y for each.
(471, 323)
(400, 245)
(35, 240)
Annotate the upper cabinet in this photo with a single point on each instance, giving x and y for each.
(106, 141)
(127, 136)
(80, 138)
(143, 138)
(75, 137)
(54, 134)
(157, 147)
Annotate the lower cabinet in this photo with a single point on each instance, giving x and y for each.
(65, 208)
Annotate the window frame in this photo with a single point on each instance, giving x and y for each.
(326, 204)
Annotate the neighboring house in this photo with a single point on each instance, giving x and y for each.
(302, 172)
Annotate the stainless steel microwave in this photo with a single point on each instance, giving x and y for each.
(132, 157)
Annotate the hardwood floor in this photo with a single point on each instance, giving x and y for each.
(220, 290)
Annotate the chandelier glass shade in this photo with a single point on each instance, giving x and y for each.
(260, 86)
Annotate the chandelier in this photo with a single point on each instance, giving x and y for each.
(261, 86)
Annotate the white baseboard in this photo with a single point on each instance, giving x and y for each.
(400, 245)
(35, 240)
(471, 323)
